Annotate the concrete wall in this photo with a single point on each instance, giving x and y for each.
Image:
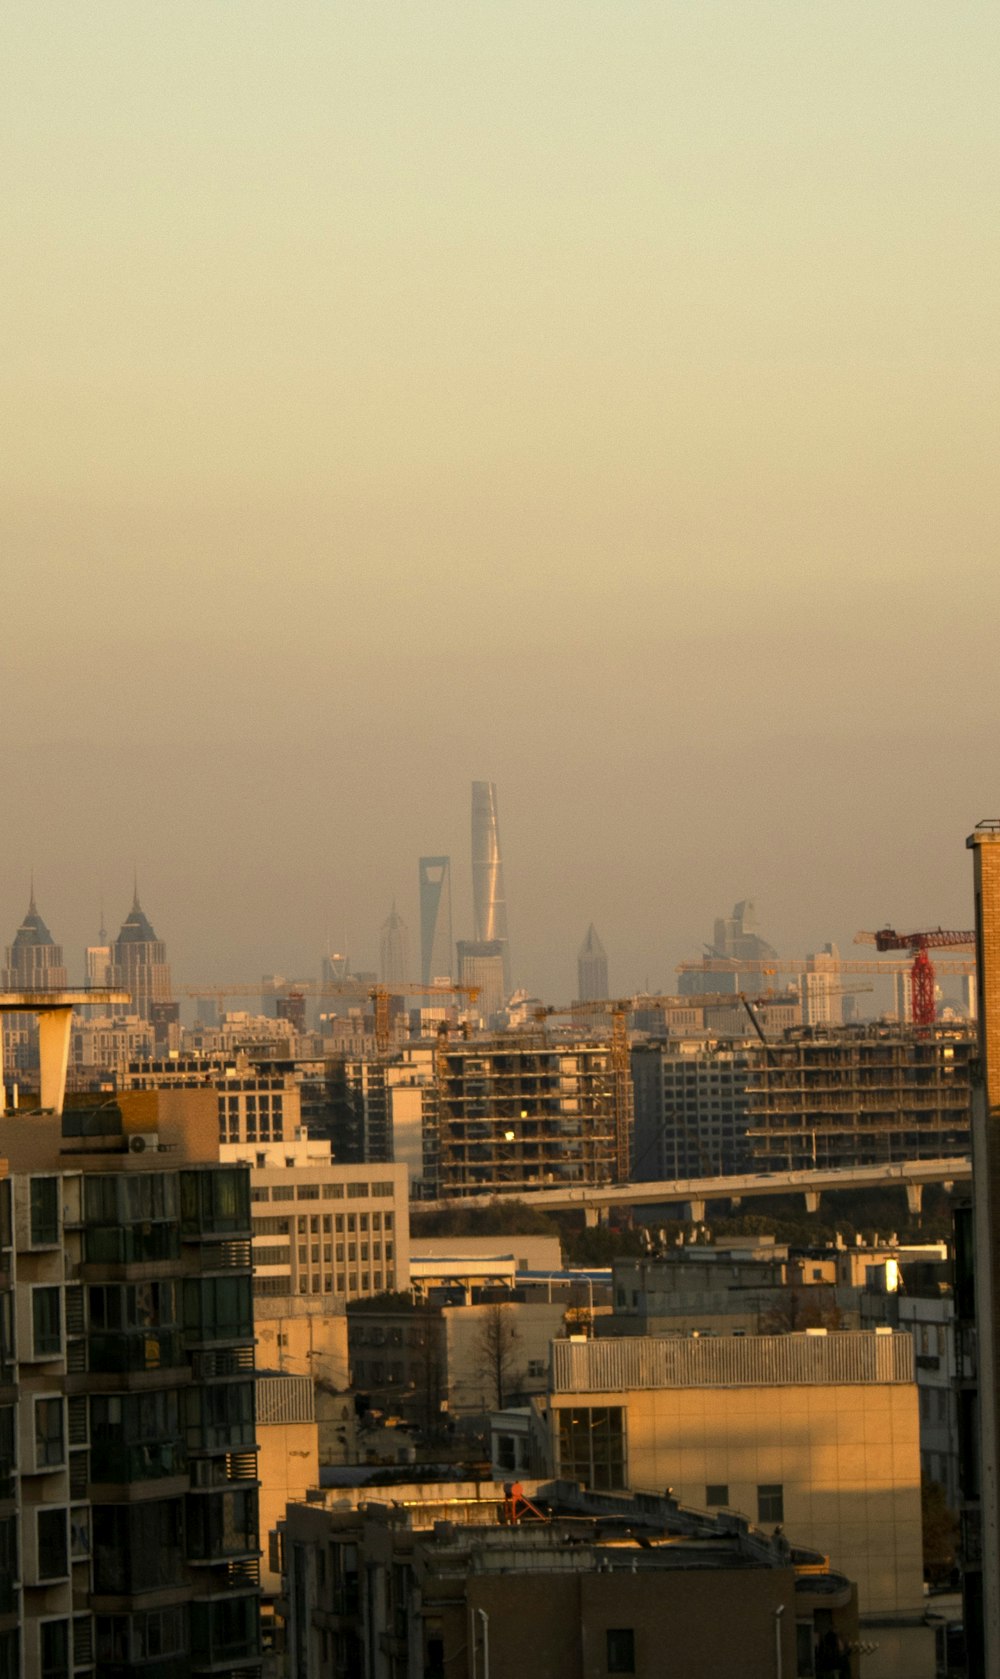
(847, 1458)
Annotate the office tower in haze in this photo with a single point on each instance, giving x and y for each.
(394, 950)
(140, 962)
(34, 961)
(436, 959)
(591, 968)
(489, 901)
(480, 965)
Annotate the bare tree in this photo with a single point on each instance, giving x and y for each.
(496, 1351)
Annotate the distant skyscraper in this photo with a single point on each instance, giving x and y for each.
(100, 959)
(436, 959)
(394, 950)
(481, 965)
(737, 935)
(820, 989)
(489, 901)
(33, 961)
(591, 968)
(140, 961)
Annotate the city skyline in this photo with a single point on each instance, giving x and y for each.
(644, 351)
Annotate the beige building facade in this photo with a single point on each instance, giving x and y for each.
(815, 1434)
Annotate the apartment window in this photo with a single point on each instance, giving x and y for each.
(621, 1649)
(44, 1212)
(309, 1192)
(333, 1192)
(50, 1439)
(771, 1503)
(9, 1569)
(357, 1192)
(46, 1322)
(54, 1649)
(53, 1544)
(717, 1493)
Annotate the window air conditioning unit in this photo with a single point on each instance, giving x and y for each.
(142, 1142)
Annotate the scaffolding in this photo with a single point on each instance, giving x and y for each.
(860, 1096)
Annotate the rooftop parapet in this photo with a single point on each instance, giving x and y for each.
(847, 1357)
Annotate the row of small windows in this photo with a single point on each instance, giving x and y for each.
(324, 1192)
(350, 1283)
(354, 1222)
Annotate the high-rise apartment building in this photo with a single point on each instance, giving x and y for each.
(591, 968)
(691, 1108)
(394, 950)
(820, 989)
(140, 962)
(436, 947)
(129, 1537)
(489, 900)
(34, 961)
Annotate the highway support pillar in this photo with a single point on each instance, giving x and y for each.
(53, 1053)
(915, 1199)
(696, 1212)
(812, 1200)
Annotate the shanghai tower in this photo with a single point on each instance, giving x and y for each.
(489, 902)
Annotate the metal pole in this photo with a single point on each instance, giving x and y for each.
(486, 1642)
(777, 1639)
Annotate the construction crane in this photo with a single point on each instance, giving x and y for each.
(922, 1006)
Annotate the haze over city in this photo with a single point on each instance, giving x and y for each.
(600, 401)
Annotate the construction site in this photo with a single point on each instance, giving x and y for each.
(859, 1096)
(521, 1115)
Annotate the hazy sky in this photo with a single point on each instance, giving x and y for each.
(595, 396)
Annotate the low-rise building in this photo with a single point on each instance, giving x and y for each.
(478, 1579)
(814, 1434)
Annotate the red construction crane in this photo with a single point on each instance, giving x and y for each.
(922, 1007)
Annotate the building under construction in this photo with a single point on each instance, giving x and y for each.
(860, 1096)
(515, 1116)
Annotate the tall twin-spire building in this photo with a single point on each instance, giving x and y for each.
(135, 962)
(34, 962)
(140, 962)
